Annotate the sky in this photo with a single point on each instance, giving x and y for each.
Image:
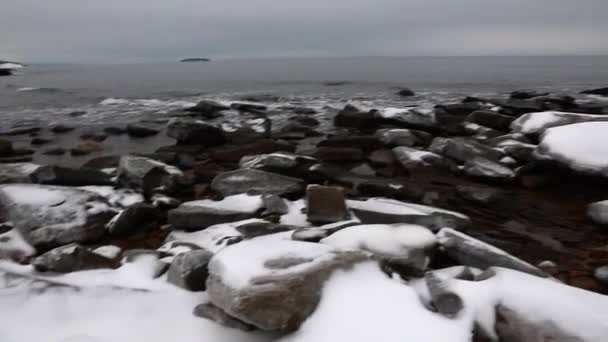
(166, 30)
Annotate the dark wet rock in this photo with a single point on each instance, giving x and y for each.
(234, 153)
(77, 113)
(17, 172)
(352, 116)
(195, 132)
(382, 158)
(6, 148)
(512, 326)
(62, 128)
(459, 109)
(136, 218)
(217, 315)
(261, 98)
(597, 91)
(403, 137)
(255, 181)
(491, 119)
(189, 270)
(480, 167)
(20, 131)
(305, 120)
(86, 148)
(199, 215)
(390, 190)
(517, 107)
(326, 204)
(50, 216)
(59, 175)
(362, 142)
(598, 212)
(411, 158)
(94, 136)
(316, 234)
(260, 228)
(479, 194)
(304, 110)
(141, 131)
(337, 154)
(114, 130)
(208, 109)
(446, 302)
(507, 138)
(527, 94)
(70, 258)
(247, 131)
(476, 253)
(6, 72)
(521, 152)
(103, 162)
(285, 291)
(279, 162)
(249, 107)
(411, 119)
(145, 174)
(463, 149)
(385, 211)
(405, 92)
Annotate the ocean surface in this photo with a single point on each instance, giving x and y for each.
(125, 93)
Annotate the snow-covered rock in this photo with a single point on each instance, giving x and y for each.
(483, 168)
(598, 212)
(255, 181)
(476, 253)
(279, 162)
(17, 172)
(412, 158)
(70, 258)
(58, 175)
(189, 270)
(463, 149)
(273, 284)
(197, 215)
(195, 132)
(538, 122)
(402, 137)
(109, 251)
(12, 244)
(582, 147)
(52, 215)
(387, 211)
(145, 174)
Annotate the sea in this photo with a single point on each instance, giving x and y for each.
(122, 93)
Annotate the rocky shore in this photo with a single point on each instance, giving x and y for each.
(482, 220)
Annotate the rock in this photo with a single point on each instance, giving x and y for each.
(164, 202)
(362, 142)
(517, 107)
(463, 150)
(94, 136)
(480, 167)
(198, 215)
(62, 128)
(141, 131)
(77, 113)
(386, 211)
(255, 181)
(304, 110)
(217, 315)
(405, 92)
(476, 253)
(261, 98)
(6, 148)
(549, 267)
(13, 246)
(145, 174)
(195, 132)
(387, 189)
(279, 282)
(37, 141)
(479, 194)
(337, 154)
(247, 131)
(208, 109)
(363, 170)
(17, 172)
(189, 270)
(248, 107)
(70, 258)
(512, 326)
(351, 116)
(109, 251)
(135, 218)
(316, 234)
(382, 158)
(54, 151)
(58, 175)
(458, 109)
(407, 118)
(598, 91)
(601, 274)
(147, 261)
(403, 137)
(86, 148)
(538, 122)
(20, 130)
(279, 162)
(446, 302)
(491, 119)
(234, 153)
(527, 94)
(598, 212)
(113, 130)
(274, 206)
(50, 216)
(326, 204)
(411, 158)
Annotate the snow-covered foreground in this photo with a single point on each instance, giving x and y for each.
(361, 304)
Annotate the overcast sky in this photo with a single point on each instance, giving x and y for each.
(164, 30)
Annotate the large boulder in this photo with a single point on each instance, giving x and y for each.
(145, 174)
(59, 175)
(198, 215)
(387, 211)
(476, 253)
(538, 122)
(195, 132)
(273, 284)
(70, 258)
(255, 181)
(17, 172)
(50, 216)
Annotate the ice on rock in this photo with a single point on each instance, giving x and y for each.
(583, 147)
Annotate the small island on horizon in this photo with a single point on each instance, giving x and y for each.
(195, 59)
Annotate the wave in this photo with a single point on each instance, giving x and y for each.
(40, 90)
(111, 101)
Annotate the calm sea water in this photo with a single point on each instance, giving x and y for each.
(125, 92)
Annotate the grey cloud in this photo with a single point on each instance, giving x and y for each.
(161, 30)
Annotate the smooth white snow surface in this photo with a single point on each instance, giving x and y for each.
(34, 195)
(296, 215)
(396, 240)
(537, 122)
(582, 146)
(239, 203)
(394, 207)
